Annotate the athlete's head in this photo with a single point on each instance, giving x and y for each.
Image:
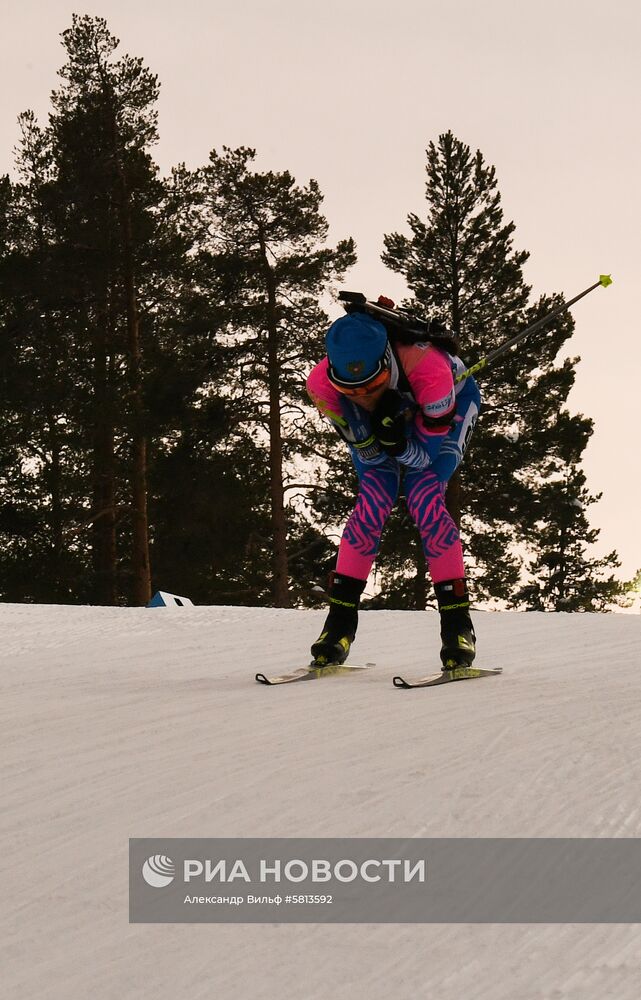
(359, 355)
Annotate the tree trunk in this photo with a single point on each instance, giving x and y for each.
(103, 550)
(141, 589)
(453, 498)
(104, 526)
(280, 568)
(58, 581)
(420, 580)
(141, 593)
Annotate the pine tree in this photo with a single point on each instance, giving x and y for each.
(103, 123)
(104, 345)
(460, 263)
(565, 576)
(41, 454)
(263, 239)
(83, 226)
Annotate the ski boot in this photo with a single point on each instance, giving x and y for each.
(457, 631)
(333, 644)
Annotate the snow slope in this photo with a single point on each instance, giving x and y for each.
(132, 722)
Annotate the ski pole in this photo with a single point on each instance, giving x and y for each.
(604, 281)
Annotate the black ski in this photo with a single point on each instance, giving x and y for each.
(447, 676)
(311, 673)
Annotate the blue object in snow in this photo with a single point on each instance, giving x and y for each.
(162, 599)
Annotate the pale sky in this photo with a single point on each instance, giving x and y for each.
(351, 93)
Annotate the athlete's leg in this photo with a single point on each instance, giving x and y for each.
(378, 490)
(443, 551)
(439, 535)
(377, 494)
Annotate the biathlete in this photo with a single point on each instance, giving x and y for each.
(398, 408)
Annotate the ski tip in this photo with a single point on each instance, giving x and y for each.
(399, 682)
(605, 279)
(262, 679)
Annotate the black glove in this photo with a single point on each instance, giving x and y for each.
(389, 422)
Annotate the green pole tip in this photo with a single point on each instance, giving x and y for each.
(605, 279)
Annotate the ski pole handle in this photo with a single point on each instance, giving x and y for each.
(604, 281)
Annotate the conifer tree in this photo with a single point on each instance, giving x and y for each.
(84, 229)
(41, 454)
(264, 240)
(460, 263)
(564, 577)
(104, 345)
(103, 123)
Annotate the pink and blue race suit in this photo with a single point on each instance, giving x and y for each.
(425, 375)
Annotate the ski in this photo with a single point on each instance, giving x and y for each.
(311, 673)
(447, 676)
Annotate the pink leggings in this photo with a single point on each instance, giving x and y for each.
(425, 501)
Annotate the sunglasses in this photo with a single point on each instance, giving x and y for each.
(379, 381)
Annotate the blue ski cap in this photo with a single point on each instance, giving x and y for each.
(356, 346)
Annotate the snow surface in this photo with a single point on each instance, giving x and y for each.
(133, 722)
